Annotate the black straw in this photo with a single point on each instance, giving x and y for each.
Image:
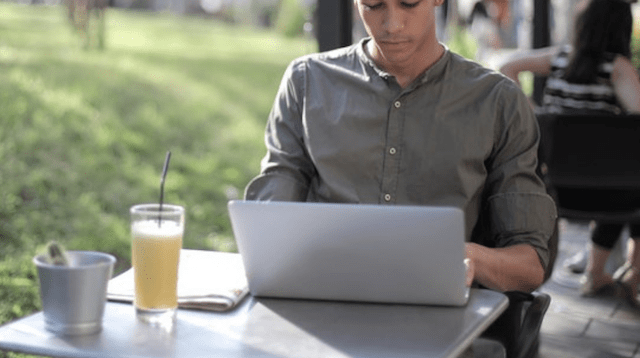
(162, 178)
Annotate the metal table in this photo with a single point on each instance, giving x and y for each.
(269, 327)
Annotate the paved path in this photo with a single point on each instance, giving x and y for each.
(580, 327)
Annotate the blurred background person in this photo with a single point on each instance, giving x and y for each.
(594, 75)
(493, 25)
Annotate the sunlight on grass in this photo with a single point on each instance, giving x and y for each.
(84, 132)
(201, 87)
(58, 100)
(526, 81)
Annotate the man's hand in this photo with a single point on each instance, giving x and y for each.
(513, 268)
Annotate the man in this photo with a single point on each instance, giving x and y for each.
(399, 119)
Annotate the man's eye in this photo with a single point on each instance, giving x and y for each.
(409, 5)
(373, 6)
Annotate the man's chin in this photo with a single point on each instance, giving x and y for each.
(394, 56)
(395, 48)
(395, 45)
(392, 52)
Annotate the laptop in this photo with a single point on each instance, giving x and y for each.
(352, 252)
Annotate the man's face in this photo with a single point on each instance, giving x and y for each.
(403, 31)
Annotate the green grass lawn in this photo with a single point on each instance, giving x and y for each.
(84, 133)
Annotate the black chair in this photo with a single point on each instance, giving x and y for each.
(596, 155)
(518, 328)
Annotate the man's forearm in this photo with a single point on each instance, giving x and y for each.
(513, 268)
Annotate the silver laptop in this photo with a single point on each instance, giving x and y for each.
(352, 252)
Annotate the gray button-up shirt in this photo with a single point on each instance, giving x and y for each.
(343, 130)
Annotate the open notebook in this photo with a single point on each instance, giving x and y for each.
(207, 280)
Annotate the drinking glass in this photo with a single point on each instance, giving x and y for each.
(156, 234)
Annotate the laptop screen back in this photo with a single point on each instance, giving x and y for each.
(352, 252)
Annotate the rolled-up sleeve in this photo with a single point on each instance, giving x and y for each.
(518, 209)
(522, 218)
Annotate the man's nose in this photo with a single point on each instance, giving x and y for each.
(394, 21)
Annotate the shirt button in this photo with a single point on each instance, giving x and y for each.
(392, 151)
(397, 104)
(387, 197)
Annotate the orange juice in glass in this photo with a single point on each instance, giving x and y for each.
(156, 242)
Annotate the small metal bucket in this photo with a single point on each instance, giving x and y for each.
(74, 296)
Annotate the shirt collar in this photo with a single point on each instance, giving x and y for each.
(430, 74)
(367, 60)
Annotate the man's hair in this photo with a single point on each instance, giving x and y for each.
(603, 27)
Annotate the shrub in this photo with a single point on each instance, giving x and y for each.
(291, 18)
